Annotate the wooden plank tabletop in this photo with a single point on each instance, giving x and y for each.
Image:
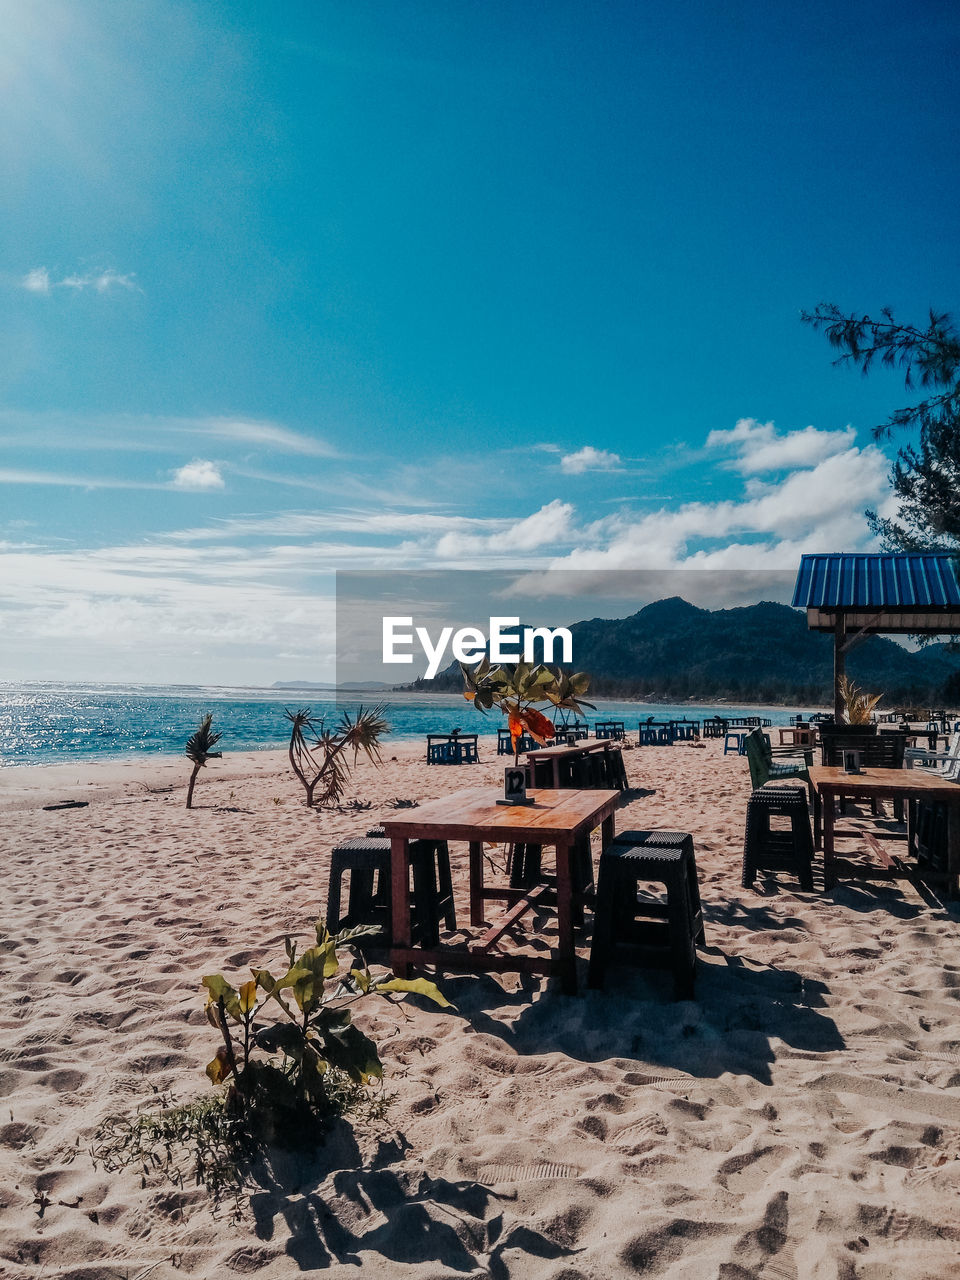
(474, 814)
(876, 781)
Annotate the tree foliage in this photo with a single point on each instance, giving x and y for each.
(926, 475)
(320, 756)
(200, 749)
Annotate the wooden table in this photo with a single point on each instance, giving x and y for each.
(830, 783)
(560, 818)
(563, 751)
(799, 735)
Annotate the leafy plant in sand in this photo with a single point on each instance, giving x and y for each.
(286, 1078)
(282, 1075)
(515, 690)
(320, 757)
(200, 749)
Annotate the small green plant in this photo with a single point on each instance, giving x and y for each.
(286, 1079)
(320, 756)
(284, 1076)
(200, 749)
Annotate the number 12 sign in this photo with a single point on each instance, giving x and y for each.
(515, 787)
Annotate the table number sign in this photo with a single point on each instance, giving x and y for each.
(851, 760)
(515, 787)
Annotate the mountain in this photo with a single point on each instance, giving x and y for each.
(762, 652)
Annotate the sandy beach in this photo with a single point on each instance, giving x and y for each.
(799, 1121)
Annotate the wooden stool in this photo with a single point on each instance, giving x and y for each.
(773, 850)
(368, 860)
(663, 933)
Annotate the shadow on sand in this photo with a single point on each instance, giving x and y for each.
(406, 1217)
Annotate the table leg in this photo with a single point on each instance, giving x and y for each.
(566, 952)
(817, 819)
(476, 883)
(400, 899)
(829, 876)
(556, 773)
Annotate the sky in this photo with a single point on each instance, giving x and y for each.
(414, 284)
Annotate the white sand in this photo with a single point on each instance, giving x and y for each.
(800, 1120)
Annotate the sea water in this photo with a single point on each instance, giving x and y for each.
(43, 723)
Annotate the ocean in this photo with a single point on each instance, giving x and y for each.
(46, 723)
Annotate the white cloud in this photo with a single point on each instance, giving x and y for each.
(36, 281)
(758, 448)
(551, 524)
(198, 477)
(103, 281)
(588, 459)
(819, 509)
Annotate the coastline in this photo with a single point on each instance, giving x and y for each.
(62, 726)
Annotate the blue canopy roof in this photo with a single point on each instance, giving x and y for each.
(887, 582)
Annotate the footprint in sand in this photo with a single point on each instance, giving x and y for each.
(751, 1170)
(642, 1136)
(498, 1174)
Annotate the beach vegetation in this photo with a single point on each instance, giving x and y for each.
(200, 749)
(857, 705)
(290, 1047)
(516, 690)
(291, 1062)
(926, 475)
(322, 758)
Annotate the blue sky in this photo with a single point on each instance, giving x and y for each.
(292, 288)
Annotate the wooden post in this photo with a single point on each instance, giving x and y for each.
(839, 666)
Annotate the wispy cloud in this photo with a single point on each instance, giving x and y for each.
(589, 459)
(274, 436)
(12, 475)
(152, 432)
(39, 281)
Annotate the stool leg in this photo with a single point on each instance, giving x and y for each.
(803, 848)
(751, 836)
(681, 937)
(607, 893)
(582, 875)
(693, 893)
(333, 897)
(425, 898)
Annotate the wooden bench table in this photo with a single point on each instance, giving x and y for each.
(830, 784)
(561, 752)
(563, 819)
